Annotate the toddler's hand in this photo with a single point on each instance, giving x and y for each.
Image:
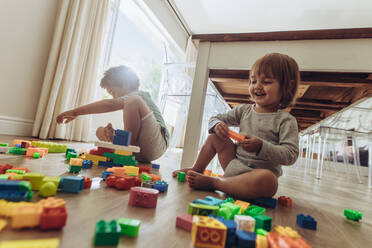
(109, 132)
(221, 130)
(251, 144)
(66, 117)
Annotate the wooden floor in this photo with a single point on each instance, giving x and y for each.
(324, 199)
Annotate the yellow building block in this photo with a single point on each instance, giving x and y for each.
(208, 232)
(3, 224)
(26, 216)
(52, 202)
(76, 161)
(95, 157)
(34, 243)
(132, 170)
(121, 152)
(287, 231)
(261, 242)
(117, 170)
(243, 205)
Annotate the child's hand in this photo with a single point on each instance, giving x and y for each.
(109, 132)
(66, 117)
(221, 129)
(251, 144)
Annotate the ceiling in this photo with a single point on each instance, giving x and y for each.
(320, 94)
(246, 16)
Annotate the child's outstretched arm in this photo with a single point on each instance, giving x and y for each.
(103, 106)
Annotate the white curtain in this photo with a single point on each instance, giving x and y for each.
(71, 75)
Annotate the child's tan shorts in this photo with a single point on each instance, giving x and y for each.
(150, 140)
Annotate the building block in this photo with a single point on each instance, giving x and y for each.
(143, 197)
(117, 147)
(121, 159)
(107, 233)
(17, 150)
(261, 232)
(236, 136)
(87, 183)
(106, 174)
(155, 166)
(120, 152)
(285, 201)
(254, 210)
(51, 146)
(231, 230)
(122, 182)
(71, 155)
(108, 164)
(132, 170)
(209, 200)
(3, 224)
(287, 231)
(148, 184)
(4, 168)
(15, 171)
(306, 221)
(15, 196)
(71, 184)
(181, 176)
(118, 170)
(200, 209)
(275, 240)
(129, 227)
(265, 202)
(95, 158)
(70, 150)
(25, 215)
(261, 241)
(243, 205)
(87, 164)
(208, 232)
(36, 155)
(48, 189)
(162, 186)
(184, 221)
(76, 161)
(53, 218)
(122, 137)
(4, 177)
(146, 177)
(101, 151)
(264, 222)
(245, 239)
(144, 168)
(4, 144)
(245, 223)
(35, 179)
(352, 214)
(34, 243)
(74, 169)
(52, 202)
(228, 210)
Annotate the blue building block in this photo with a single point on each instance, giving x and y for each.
(18, 145)
(306, 221)
(108, 164)
(209, 200)
(265, 202)
(162, 186)
(231, 231)
(106, 174)
(14, 196)
(122, 137)
(155, 166)
(71, 184)
(245, 239)
(87, 164)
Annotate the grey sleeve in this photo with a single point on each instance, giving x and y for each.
(231, 118)
(286, 152)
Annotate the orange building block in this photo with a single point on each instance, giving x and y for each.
(208, 232)
(236, 136)
(243, 205)
(26, 216)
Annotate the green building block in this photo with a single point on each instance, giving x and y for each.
(146, 177)
(352, 214)
(121, 159)
(36, 155)
(74, 168)
(229, 210)
(229, 199)
(52, 147)
(264, 222)
(261, 232)
(129, 227)
(107, 233)
(70, 150)
(17, 150)
(4, 177)
(15, 171)
(18, 177)
(71, 155)
(254, 210)
(181, 176)
(4, 144)
(201, 209)
(35, 179)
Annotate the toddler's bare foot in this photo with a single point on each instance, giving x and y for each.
(175, 173)
(199, 181)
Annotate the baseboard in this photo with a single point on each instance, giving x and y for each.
(15, 126)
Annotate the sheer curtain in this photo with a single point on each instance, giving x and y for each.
(71, 75)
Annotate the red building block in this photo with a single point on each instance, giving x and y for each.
(53, 218)
(184, 221)
(122, 182)
(143, 197)
(87, 183)
(144, 168)
(285, 201)
(4, 167)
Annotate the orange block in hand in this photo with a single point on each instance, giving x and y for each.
(235, 136)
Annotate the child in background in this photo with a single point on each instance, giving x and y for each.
(252, 166)
(140, 114)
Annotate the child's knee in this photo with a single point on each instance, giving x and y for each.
(270, 182)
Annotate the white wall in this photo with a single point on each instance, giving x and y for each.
(26, 31)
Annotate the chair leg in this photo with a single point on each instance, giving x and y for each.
(356, 159)
(370, 166)
(319, 156)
